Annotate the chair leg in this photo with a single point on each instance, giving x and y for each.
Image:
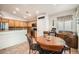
(34, 51)
(30, 51)
(69, 50)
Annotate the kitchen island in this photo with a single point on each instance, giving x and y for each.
(10, 38)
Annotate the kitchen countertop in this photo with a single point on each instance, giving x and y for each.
(9, 30)
(10, 38)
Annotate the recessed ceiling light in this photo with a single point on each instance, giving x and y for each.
(37, 12)
(14, 12)
(17, 9)
(27, 12)
(24, 16)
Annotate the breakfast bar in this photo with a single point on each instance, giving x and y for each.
(10, 38)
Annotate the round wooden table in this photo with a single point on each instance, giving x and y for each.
(51, 43)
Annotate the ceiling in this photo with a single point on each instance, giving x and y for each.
(30, 10)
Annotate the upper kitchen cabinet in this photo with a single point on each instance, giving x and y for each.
(3, 20)
(30, 23)
(21, 24)
(25, 24)
(17, 23)
(11, 23)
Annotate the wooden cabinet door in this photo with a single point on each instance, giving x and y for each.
(21, 24)
(17, 23)
(25, 24)
(4, 20)
(29, 24)
(11, 23)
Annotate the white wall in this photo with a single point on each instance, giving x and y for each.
(64, 13)
(77, 21)
(42, 25)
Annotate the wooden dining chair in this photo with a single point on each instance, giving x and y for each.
(52, 49)
(32, 47)
(45, 33)
(52, 33)
(68, 43)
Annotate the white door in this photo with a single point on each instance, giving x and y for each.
(42, 25)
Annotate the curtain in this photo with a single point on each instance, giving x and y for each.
(65, 23)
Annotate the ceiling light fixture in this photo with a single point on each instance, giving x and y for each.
(17, 9)
(27, 12)
(24, 16)
(14, 12)
(37, 12)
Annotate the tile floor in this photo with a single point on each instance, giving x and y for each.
(23, 48)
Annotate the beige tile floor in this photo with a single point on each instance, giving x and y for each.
(73, 51)
(23, 48)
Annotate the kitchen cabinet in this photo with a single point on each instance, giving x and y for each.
(30, 23)
(14, 23)
(3, 24)
(25, 24)
(21, 24)
(4, 20)
(17, 23)
(11, 23)
(70, 39)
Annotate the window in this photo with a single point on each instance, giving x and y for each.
(65, 23)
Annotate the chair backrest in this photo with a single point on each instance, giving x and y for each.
(52, 33)
(45, 33)
(30, 41)
(53, 30)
